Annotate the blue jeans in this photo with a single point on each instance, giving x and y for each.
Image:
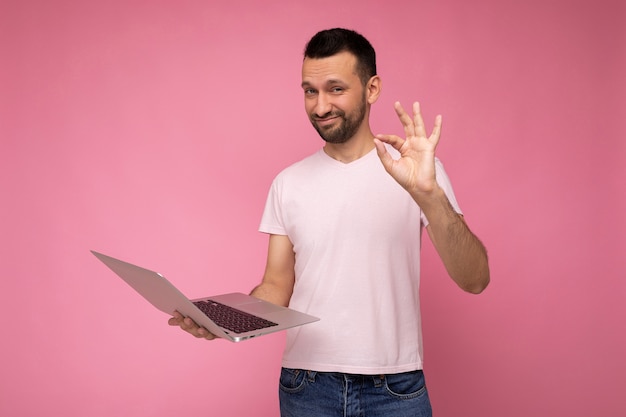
(320, 394)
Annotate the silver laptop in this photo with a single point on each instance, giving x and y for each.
(233, 316)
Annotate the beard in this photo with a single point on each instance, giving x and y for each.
(347, 128)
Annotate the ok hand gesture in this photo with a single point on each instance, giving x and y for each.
(415, 169)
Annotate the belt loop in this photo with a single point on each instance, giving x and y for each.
(378, 380)
(311, 375)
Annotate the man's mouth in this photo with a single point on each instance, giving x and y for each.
(325, 121)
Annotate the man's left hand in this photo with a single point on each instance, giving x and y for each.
(415, 169)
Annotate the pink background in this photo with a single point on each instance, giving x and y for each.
(150, 130)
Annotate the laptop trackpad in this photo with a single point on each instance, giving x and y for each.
(260, 308)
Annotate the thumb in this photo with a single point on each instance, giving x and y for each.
(383, 154)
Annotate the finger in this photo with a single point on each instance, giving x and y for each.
(405, 119)
(393, 140)
(189, 325)
(384, 156)
(175, 319)
(436, 134)
(205, 334)
(420, 129)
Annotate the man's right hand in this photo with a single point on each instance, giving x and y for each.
(190, 326)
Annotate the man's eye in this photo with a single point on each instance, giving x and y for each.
(337, 89)
(309, 91)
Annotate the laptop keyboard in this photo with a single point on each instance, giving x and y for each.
(232, 319)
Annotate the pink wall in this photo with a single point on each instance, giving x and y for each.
(151, 130)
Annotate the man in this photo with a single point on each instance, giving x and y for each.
(344, 231)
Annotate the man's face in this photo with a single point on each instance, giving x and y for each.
(334, 96)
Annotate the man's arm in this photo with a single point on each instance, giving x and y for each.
(463, 255)
(279, 277)
(276, 286)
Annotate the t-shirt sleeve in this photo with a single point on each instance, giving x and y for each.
(272, 218)
(444, 182)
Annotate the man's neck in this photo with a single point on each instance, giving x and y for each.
(351, 150)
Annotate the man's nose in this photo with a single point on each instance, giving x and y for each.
(322, 105)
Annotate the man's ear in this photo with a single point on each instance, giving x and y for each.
(373, 89)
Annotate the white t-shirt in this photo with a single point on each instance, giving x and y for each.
(356, 235)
